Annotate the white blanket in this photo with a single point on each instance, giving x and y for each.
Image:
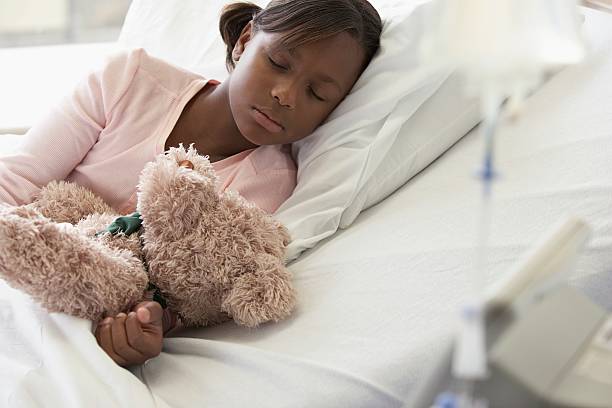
(377, 302)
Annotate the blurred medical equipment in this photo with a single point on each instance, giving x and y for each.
(548, 344)
(504, 48)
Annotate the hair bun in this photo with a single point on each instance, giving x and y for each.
(234, 17)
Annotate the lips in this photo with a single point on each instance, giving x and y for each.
(266, 121)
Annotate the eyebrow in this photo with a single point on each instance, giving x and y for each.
(329, 80)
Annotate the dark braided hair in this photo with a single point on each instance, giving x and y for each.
(302, 22)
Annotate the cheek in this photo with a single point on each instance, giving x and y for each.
(238, 85)
(246, 89)
(243, 85)
(307, 122)
(249, 72)
(238, 102)
(319, 114)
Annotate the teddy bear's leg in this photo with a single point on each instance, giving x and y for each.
(68, 202)
(262, 296)
(66, 271)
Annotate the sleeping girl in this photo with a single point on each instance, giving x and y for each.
(290, 65)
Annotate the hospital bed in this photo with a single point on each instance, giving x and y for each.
(378, 301)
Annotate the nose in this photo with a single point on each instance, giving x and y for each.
(285, 94)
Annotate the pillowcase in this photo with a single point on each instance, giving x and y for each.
(183, 32)
(376, 139)
(438, 124)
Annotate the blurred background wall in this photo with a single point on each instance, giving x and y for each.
(44, 22)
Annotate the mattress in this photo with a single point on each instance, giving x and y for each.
(377, 302)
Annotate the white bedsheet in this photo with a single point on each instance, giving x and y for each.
(377, 301)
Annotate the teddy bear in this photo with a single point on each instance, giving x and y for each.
(208, 256)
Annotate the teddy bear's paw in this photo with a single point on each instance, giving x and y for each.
(66, 271)
(61, 201)
(262, 296)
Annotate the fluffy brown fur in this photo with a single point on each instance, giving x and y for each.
(214, 256)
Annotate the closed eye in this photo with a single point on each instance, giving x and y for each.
(277, 65)
(284, 68)
(313, 93)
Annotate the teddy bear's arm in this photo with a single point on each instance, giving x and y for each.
(61, 201)
(65, 270)
(265, 295)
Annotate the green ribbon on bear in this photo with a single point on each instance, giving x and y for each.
(157, 296)
(129, 224)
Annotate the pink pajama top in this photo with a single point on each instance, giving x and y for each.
(118, 119)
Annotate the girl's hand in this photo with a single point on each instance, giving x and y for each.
(133, 338)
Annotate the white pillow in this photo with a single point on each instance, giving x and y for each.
(355, 158)
(184, 32)
(438, 124)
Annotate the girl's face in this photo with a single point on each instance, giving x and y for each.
(279, 96)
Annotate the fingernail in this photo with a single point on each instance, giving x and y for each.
(107, 320)
(121, 315)
(131, 314)
(144, 314)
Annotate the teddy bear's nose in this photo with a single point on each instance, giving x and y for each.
(186, 164)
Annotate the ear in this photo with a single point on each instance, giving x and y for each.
(245, 36)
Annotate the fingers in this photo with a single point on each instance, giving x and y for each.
(113, 338)
(134, 331)
(121, 344)
(133, 338)
(149, 312)
(169, 320)
(105, 340)
(144, 315)
(138, 340)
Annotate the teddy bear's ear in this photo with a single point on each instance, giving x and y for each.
(261, 296)
(189, 158)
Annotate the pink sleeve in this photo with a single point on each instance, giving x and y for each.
(57, 143)
(268, 190)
